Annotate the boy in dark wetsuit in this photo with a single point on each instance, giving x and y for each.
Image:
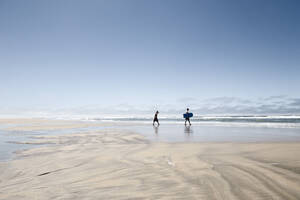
(155, 118)
(187, 118)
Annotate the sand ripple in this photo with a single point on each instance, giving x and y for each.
(120, 165)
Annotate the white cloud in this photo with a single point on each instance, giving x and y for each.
(219, 105)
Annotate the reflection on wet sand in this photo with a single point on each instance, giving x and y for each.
(155, 129)
(188, 131)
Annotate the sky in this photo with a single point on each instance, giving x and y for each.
(215, 56)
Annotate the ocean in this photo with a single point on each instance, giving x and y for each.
(282, 121)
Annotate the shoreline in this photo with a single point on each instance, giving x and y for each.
(15, 133)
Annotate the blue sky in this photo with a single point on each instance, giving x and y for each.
(150, 54)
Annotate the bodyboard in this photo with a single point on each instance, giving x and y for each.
(187, 115)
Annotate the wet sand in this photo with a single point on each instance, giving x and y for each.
(113, 164)
(46, 124)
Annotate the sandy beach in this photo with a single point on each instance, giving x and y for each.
(115, 164)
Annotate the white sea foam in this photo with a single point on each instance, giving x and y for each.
(274, 121)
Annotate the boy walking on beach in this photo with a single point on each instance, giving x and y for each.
(155, 118)
(187, 118)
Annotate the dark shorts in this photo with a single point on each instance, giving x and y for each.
(187, 119)
(155, 120)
